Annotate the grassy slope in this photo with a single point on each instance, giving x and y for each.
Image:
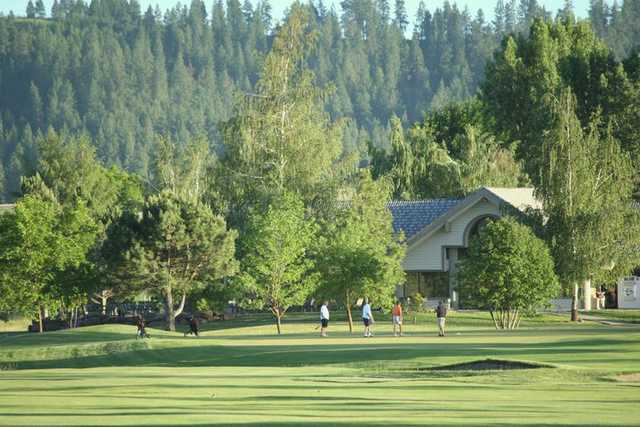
(245, 375)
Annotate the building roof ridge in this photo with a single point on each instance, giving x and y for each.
(442, 199)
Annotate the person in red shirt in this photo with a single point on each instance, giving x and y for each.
(396, 312)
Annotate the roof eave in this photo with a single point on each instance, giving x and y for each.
(454, 212)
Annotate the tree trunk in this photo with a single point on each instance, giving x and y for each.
(40, 319)
(169, 316)
(514, 319)
(349, 317)
(171, 312)
(495, 321)
(586, 291)
(103, 303)
(278, 315)
(574, 303)
(178, 311)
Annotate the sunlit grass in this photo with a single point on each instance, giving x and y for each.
(240, 373)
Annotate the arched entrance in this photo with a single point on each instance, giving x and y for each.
(477, 224)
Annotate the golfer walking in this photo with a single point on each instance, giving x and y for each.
(324, 319)
(367, 318)
(396, 314)
(441, 314)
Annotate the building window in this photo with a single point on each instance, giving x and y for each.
(431, 285)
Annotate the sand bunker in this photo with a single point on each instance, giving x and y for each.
(490, 365)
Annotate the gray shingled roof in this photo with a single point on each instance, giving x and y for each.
(413, 216)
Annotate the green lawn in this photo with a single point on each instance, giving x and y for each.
(623, 315)
(239, 373)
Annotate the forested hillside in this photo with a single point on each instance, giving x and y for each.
(125, 76)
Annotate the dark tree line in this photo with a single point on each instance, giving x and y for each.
(124, 76)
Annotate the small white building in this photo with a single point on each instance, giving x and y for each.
(438, 233)
(629, 292)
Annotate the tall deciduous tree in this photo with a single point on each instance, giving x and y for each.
(277, 267)
(586, 184)
(528, 72)
(359, 254)
(40, 239)
(68, 172)
(280, 138)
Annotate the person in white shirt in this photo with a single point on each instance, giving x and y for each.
(324, 319)
(367, 318)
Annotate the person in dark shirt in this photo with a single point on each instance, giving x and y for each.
(441, 314)
(193, 327)
(142, 332)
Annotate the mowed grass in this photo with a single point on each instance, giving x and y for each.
(240, 373)
(627, 315)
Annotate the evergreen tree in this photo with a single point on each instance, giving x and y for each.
(40, 10)
(499, 20)
(401, 19)
(98, 80)
(31, 10)
(171, 248)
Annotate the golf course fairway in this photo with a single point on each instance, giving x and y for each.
(241, 373)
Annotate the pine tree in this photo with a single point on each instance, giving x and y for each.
(40, 10)
(171, 248)
(400, 18)
(598, 17)
(499, 20)
(31, 10)
(510, 19)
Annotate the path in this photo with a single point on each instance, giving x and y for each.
(605, 321)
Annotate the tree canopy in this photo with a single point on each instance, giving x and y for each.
(125, 75)
(39, 240)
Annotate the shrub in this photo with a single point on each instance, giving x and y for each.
(508, 271)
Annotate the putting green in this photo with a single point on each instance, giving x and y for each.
(241, 374)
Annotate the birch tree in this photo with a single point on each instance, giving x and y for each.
(586, 186)
(280, 138)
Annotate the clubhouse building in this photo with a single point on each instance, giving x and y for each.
(438, 231)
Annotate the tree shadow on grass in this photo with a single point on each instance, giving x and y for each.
(283, 355)
(384, 330)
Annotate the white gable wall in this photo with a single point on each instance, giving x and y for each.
(428, 254)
